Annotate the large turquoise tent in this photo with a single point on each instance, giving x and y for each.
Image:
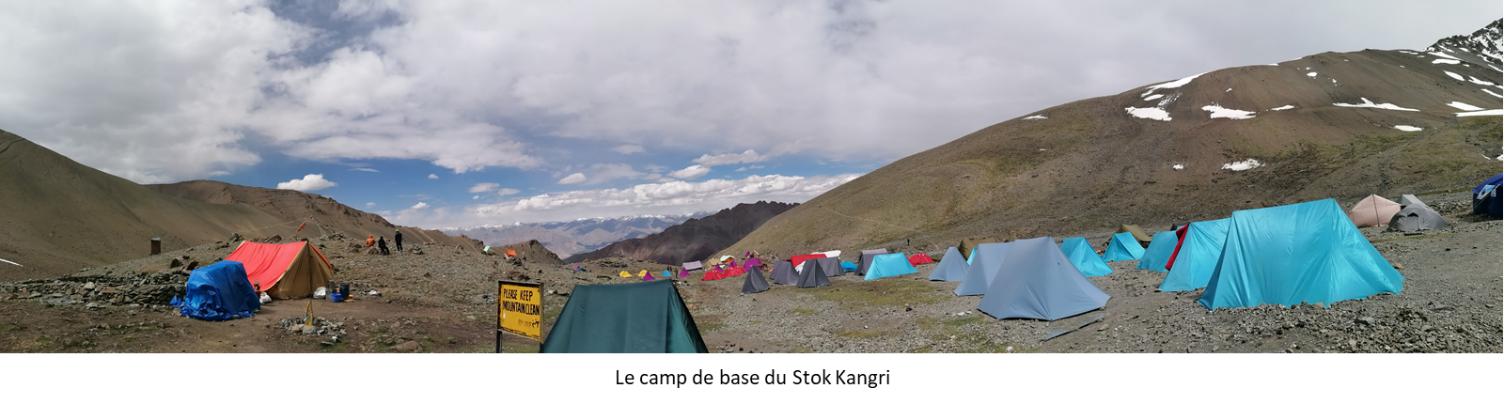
(646, 317)
(1303, 253)
(887, 265)
(1123, 247)
(1198, 256)
(1083, 257)
(1158, 254)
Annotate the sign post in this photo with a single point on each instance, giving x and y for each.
(519, 310)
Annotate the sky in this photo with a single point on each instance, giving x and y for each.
(460, 113)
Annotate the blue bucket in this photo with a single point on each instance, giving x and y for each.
(336, 297)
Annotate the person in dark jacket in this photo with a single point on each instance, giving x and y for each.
(381, 243)
(398, 239)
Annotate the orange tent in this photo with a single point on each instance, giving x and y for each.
(1373, 211)
(511, 253)
(284, 271)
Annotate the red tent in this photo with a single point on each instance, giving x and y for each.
(920, 258)
(713, 274)
(734, 271)
(1180, 234)
(284, 271)
(799, 259)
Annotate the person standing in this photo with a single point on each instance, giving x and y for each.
(399, 240)
(381, 244)
(370, 240)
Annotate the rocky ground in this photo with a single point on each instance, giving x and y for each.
(442, 299)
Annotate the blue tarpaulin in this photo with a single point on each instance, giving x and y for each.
(1486, 196)
(1198, 256)
(1158, 254)
(218, 292)
(1302, 253)
(1123, 247)
(1083, 257)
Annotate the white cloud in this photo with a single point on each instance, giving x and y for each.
(483, 187)
(691, 172)
(741, 169)
(370, 205)
(628, 149)
(748, 156)
(433, 176)
(420, 205)
(475, 197)
(366, 169)
(219, 173)
(573, 179)
(310, 182)
(506, 191)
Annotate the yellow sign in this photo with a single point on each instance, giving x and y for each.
(521, 309)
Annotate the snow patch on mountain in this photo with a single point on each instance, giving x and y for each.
(1219, 112)
(1369, 104)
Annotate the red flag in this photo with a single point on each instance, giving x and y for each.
(300, 227)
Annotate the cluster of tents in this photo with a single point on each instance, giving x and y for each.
(1308, 253)
(233, 287)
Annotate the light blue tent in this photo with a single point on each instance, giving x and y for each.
(887, 265)
(1123, 247)
(1036, 280)
(1083, 257)
(971, 257)
(986, 260)
(1302, 253)
(1158, 254)
(951, 268)
(1198, 256)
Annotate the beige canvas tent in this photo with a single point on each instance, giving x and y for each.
(972, 243)
(1373, 211)
(1137, 232)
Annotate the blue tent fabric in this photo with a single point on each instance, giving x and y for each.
(951, 268)
(971, 256)
(1123, 247)
(218, 292)
(848, 266)
(1486, 196)
(1302, 253)
(984, 266)
(1036, 280)
(888, 265)
(1158, 254)
(1083, 257)
(1198, 256)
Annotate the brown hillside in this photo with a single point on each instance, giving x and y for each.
(327, 215)
(695, 239)
(60, 216)
(1090, 166)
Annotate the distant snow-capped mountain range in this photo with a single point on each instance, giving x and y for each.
(576, 236)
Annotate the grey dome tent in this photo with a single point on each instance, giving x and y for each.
(866, 262)
(813, 274)
(984, 266)
(783, 273)
(1036, 280)
(754, 282)
(1415, 216)
(951, 268)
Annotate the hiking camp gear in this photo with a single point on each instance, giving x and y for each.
(921, 259)
(1415, 216)
(692, 265)
(1036, 280)
(783, 273)
(848, 266)
(1137, 232)
(753, 282)
(1159, 251)
(888, 265)
(1486, 196)
(1294, 254)
(1079, 252)
(713, 274)
(645, 317)
(813, 275)
(1123, 247)
(218, 292)
(969, 245)
(1180, 240)
(647, 277)
(984, 266)
(831, 266)
(866, 260)
(1373, 211)
(1198, 255)
(952, 266)
(624, 274)
(284, 271)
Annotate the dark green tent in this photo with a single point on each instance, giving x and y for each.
(644, 317)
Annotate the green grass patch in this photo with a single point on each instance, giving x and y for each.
(926, 323)
(859, 334)
(802, 311)
(711, 327)
(1412, 237)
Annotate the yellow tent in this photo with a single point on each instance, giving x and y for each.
(625, 274)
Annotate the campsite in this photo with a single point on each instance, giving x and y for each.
(1316, 221)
